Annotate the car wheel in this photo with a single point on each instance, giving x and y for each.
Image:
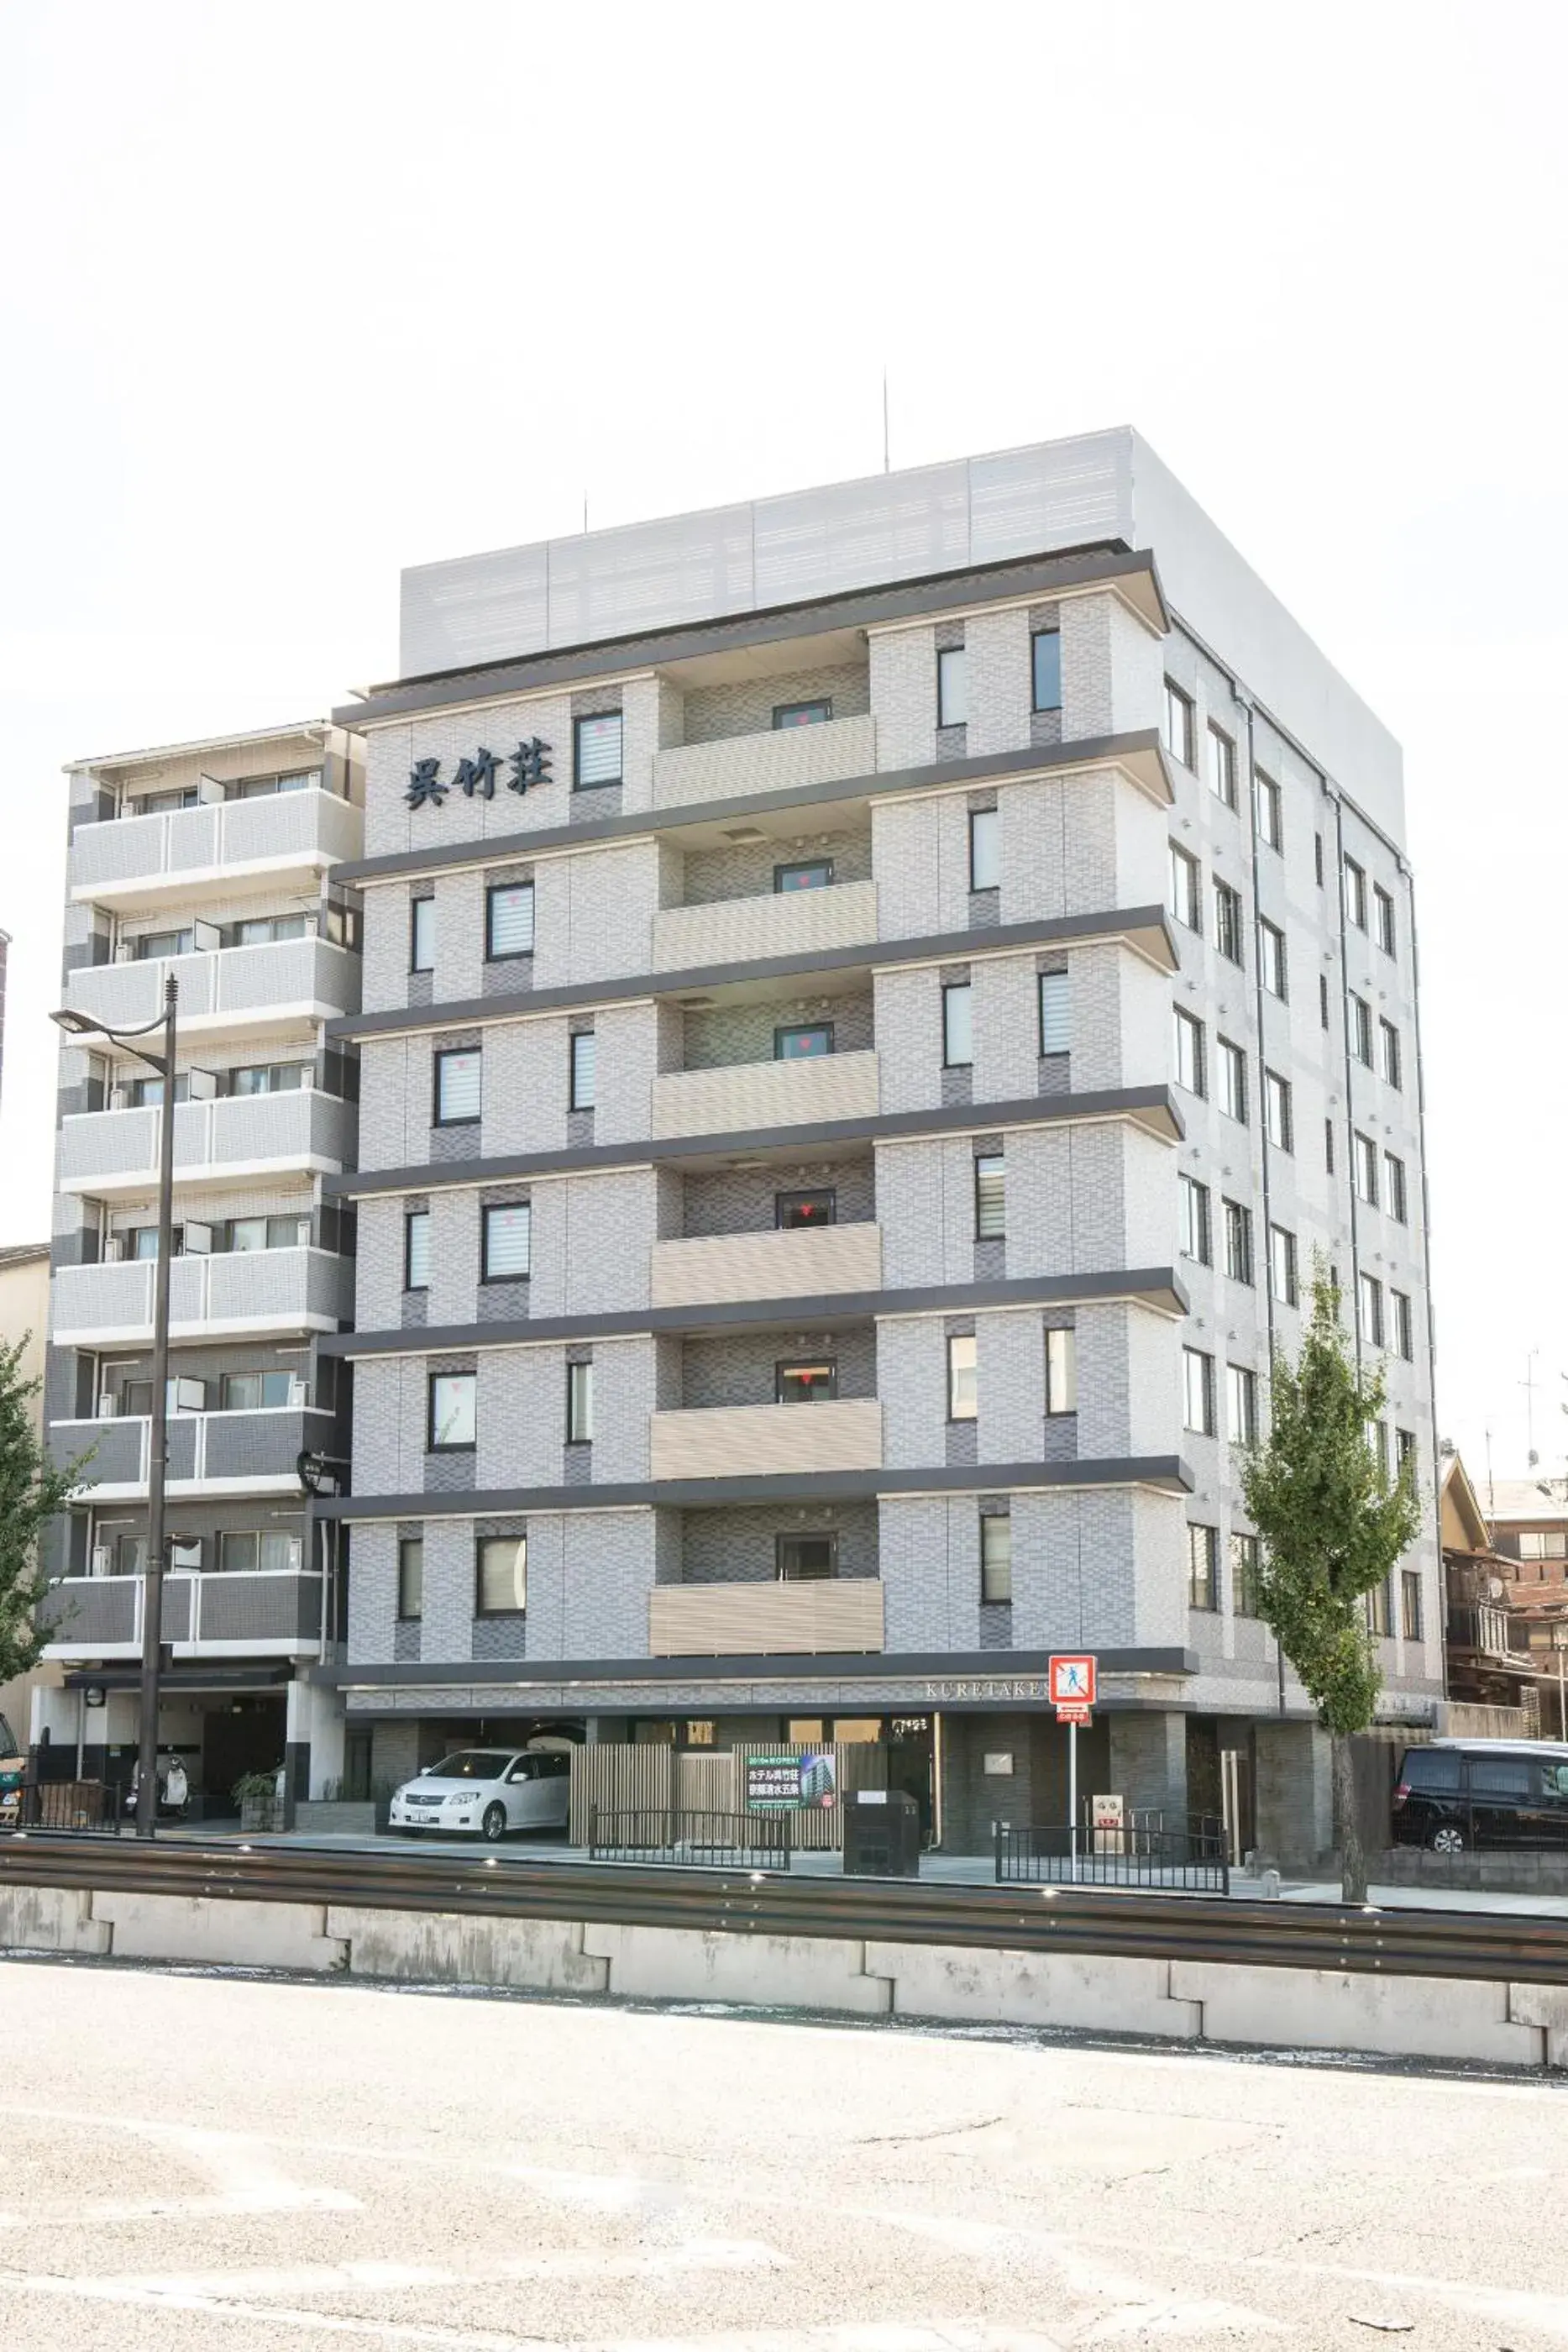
(1446, 1839)
(493, 1828)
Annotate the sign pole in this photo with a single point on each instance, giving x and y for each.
(1072, 1794)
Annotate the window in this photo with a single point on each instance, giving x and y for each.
(1377, 1447)
(1279, 1120)
(1220, 761)
(1244, 1578)
(1062, 1371)
(1271, 959)
(1238, 1242)
(251, 1233)
(1388, 1051)
(266, 931)
(1361, 1029)
(1380, 1608)
(1354, 894)
(794, 1213)
(417, 1250)
(1184, 896)
(508, 920)
(264, 1551)
(1323, 999)
(1369, 1309)
(803, 1041)
(1045, 650)
(1055, 1037)
(257, 788)
(1328, 1147)
(1240, 1404)
(990, 1197)
(1271, 808)
(580, 1405)
(1410, 1603)
(1405, 1451)
(147, 1094)
(507, 1233)
(1394, 1196)
(1197, 1391)
(1194, 1204)
(1230, 1065)
(410, 1577)
(1190, 1067)
(453, 1411)
(153, 944)
(422, 935)
(1363, 1167)
(584, 1072)
(815, 1383)
(1176, 731)
(815, 713)
(952, 687)
(1382, 920)
(1228, 922)
(1404, 1327)
(996, 1552)
(1282, 1264)
(803, 874)
(261, 1078)
(1318, 859)
(1202, 1568)
(457, 1087)
(805, 1560)
(961, 1397)
(501, 1576)
(985, 849)
(257, 1391)
(957, 1026)
(597, 750)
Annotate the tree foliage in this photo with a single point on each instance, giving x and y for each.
(32, 1489)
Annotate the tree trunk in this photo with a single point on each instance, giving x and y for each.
(1352, 1885)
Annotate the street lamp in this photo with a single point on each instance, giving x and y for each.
(79, 1025)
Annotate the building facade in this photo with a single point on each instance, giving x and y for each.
(1529, 1523)
(1493, 1679)
(873, 1003)
(215, 864)
(24, 1322)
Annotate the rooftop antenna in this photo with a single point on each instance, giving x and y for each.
(1530, 1384)
(1491, 1493)
(886, 461)
(585, 514)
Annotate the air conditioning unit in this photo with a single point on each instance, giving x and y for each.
(114, 1250)
(100, 1560)
(295, 1553)
(298, 1389)
(107, 1405)
(119, 1099)
(126, 951)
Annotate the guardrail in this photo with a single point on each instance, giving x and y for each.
(1491, 1948)
(673, 1837)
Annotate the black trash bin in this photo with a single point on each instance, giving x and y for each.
(882, 1835)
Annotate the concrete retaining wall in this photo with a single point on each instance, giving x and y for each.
(1517, 2025)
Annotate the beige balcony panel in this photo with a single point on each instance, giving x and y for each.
(716, 1621)
(722, 1267)
(764, 1441)
(775, 923)
(745, 1095)
(771, 761)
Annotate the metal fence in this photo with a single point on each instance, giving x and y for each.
(1144, 1850)
(61, 1805)
(718, 1840)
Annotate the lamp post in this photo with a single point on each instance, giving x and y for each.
(78, 1024)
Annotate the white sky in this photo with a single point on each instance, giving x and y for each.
(292, 296)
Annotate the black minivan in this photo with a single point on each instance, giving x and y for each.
(1458, 1793)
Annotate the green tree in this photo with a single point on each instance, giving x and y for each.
(1333, 1525)
(32, 1489)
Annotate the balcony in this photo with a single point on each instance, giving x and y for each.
(246, 1292)
(1492, 1633)
(230, 989)
(766, 1441)
(744, 1096)
(773, 761)
(243, 1138)
(264, 1613)
(286, 840)
(718, 1268)
(825, 1616)
(773, 923)
(210, 1453)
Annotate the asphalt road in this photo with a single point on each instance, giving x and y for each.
(205, 2164)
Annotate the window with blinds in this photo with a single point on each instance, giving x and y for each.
(501, 1576)
(598, 751)
(996, 1557)
(417, 1250)
(506, 1242)
(1055, 1033)
(509, 920)
(584, 1070)
(990, 1197)
(457, 1086)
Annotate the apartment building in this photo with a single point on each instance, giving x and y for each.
(215, 864)
(873, 1001)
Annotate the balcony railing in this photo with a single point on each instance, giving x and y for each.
(766, 1440)
(234, 1453)
(718, 1267)
(244, 1291)
(280, 835)
(771, 762)
(234, 985)
(746, 1095)
(825, 1616)
(256, 1613)
(1495, 1633)
(773, 923)
(262, 1135)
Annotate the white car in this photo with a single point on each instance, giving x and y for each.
(487, 1791)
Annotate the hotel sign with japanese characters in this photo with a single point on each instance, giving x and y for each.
(476, 774)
